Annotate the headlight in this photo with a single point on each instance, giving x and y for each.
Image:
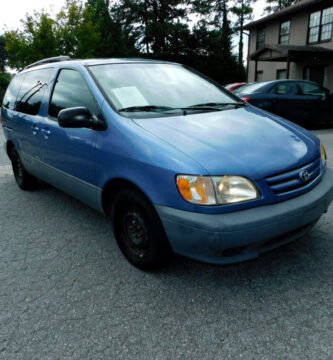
(197, 189)
(216, 190)
(323, 154)
(233, 189)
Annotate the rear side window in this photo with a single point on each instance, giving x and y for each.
(11, 93)
(285, 89)
(31, 93)
(71, 90)
(312, 89)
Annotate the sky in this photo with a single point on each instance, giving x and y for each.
(12, 11)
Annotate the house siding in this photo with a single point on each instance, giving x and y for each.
(299, 29)
(298, 37)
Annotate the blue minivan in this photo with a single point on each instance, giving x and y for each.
(177, 163)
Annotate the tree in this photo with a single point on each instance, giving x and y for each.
(226, 32)
(114, 40)
(154, 28)
(3, 54)
(210, 50)
(214, 23)
(37, 40)
(243, 10)
(153, 22)
(276, 5)
(80, 30)
(4, 82)
(4, 78)
(76, 32)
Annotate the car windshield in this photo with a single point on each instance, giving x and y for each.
(248, 89)
(159, 88)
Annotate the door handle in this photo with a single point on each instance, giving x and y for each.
(46, 133)
(35, 129)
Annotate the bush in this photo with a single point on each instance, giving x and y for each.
(4, 82)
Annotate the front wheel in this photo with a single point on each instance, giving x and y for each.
(139, 232)
(23, 179)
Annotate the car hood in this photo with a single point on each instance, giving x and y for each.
(244, 141)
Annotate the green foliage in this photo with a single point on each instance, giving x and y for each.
(114, 39)
(155, 24)
(3, 54)
(213, 38)
(276, 5)
(243, 10)
(153, 28)
(78, 30)
(77, 35)
(37, 40)
(4, 82)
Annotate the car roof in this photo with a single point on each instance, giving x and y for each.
(272, 82)
(66, 61)
(90, 62)
(264, 85)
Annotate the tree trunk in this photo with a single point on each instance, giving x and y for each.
(146, 27)
(241, 44)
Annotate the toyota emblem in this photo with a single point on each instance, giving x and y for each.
(304, 175)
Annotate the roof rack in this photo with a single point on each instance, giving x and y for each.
(48, 61)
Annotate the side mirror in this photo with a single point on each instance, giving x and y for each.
(79, 117)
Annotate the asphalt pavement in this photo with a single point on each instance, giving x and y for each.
(66, 292)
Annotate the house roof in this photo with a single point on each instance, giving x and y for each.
(282, 52)
(299, 6)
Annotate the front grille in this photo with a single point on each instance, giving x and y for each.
(290, 181)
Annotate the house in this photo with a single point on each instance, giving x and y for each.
(293, 43)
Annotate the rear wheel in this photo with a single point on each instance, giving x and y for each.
(139, 232)
(23, 179)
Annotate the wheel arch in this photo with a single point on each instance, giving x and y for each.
(163, 249)
(113, 187)
(9, 146)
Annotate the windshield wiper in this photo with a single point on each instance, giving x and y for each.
(166, 109)
(214, 105)
(147, 108)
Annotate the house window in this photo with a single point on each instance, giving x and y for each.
(281, 74)
(260, 38)
(321, 26)
(259, 76)
(284, 32)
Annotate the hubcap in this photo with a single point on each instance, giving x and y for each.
(136, 231)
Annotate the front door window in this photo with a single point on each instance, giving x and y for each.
(71, 90)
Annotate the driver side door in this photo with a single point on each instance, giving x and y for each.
(69, 154)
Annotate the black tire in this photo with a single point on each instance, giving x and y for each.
(138, 231)
(23, 179)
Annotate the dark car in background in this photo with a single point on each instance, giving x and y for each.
(301, 101)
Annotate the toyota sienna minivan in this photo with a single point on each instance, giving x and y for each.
(176, 162)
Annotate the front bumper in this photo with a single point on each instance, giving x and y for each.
(244, 235)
